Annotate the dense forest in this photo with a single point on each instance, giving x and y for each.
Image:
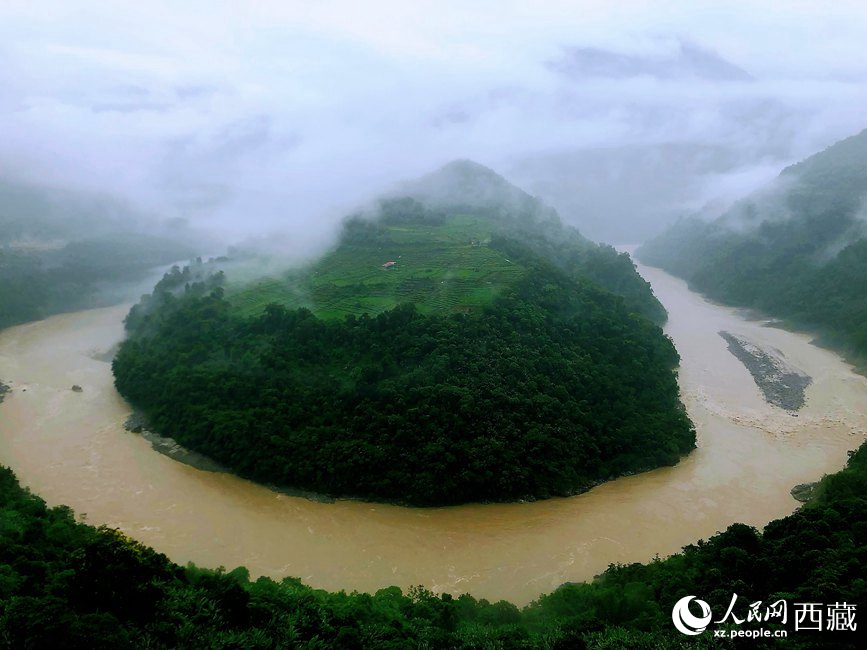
(548, 387)
(67, 584)
(796, 250)
(552, 388)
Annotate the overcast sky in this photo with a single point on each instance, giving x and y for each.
(255, 114)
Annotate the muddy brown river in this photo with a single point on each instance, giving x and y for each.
(71, 448)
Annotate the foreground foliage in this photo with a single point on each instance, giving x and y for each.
(66, 584)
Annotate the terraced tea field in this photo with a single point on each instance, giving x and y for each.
(441, 268)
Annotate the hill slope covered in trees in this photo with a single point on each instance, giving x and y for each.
(796, 250)
(502, 357)
(64, 250)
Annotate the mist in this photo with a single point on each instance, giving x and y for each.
(284, 117)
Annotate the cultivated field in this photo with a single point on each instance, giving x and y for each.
(441, 268)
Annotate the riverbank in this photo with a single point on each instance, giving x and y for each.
(137, 424)
(623, 605)
(817, 337)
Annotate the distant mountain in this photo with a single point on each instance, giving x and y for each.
(796, 249)
(63, 250)
(686, 61)
(32, 212)
(627, 189)
(623, 194)
(628, 192)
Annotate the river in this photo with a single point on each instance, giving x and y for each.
(71, 448)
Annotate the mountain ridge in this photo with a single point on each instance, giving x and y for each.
(796, 249)
(440, 241)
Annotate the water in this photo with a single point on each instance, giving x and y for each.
(71, 448)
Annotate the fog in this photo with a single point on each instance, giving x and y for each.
(247, 118)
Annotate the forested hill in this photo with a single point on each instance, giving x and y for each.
(494, 359)
(65, 250)
(445, 238)
(91, 272)
(796, 249)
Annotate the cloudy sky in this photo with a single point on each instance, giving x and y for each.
(256, 115)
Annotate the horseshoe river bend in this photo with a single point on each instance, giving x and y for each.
(71, 448)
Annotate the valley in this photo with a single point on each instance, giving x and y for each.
(72, 449)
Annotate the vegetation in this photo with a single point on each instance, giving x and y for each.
(797, 250)
(513, 378)
(64, 250)
(444, 261)
(66, 584)
(35, 283)
(445, 265)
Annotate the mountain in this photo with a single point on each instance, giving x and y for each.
(457, 345)
(63, 250)
(624, 193)
(685, 61)
(464, 183)
(797, 249)
(31, 213)
(438, 231)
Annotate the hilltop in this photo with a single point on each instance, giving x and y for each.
(796, 249)
(464, 348)
(465, 183)
(438, 242)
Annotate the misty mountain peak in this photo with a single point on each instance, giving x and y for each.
(828, 188)
(686, 60)
(467, 167)
(466, 182)
(467, 177)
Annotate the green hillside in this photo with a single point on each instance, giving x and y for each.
(501, 356)
(64, 250)
(442, 267)
(796, 249)
(449, 238)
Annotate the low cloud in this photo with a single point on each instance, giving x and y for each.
(283, 116)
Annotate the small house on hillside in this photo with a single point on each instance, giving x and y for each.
(389, 265)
